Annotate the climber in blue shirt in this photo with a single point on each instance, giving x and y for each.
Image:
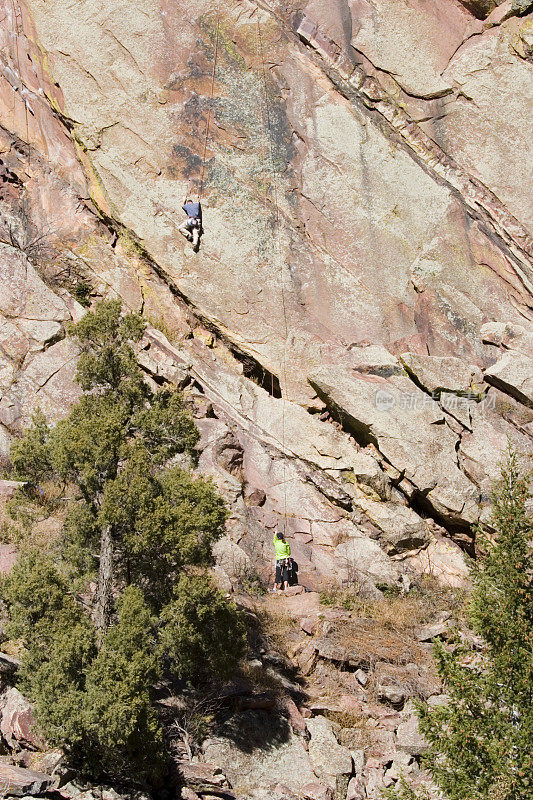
(191, 228)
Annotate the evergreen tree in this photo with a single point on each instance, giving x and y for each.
(481, 742)
(136, 525)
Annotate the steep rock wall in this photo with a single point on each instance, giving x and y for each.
(366, 252)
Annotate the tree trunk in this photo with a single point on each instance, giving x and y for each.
(102, 608)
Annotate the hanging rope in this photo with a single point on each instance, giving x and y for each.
(19, 31)
(207, 127)
(278, 258)
(210, 112)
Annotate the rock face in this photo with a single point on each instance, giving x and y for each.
(328, 758)
(355, 332)
(513, 374)
(17, 724)
(354, 336)
(410, 431)
(259, 749)
(18, 782)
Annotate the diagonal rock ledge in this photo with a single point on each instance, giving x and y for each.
(353, 82)
(409, 430)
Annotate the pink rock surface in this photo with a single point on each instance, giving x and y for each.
(17, 782)
(17, 723)
(362, 242)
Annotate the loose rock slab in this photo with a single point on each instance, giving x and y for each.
(18, 782)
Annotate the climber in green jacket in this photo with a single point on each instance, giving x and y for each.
(283, 554)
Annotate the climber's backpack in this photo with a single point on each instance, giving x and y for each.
(293, 572)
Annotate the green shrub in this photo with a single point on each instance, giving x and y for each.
(143, 532)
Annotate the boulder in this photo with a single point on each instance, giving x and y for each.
(361, 559)
(199, 774)
(17, 723)
(390, 689)
(258, 749)
(438, 700)
(306, 658)
(438, 374)
(397, 683)
(401, 766)
(188, 794)
(444, 560)
(499, 14)
(425, 633)
(508, 336)
(374, 782)
(408, 428)
(409, 739)
(328, 758)
(356, 788)
(294, 715)
(309, 625)
(381, 749)
(317, 791)
(19, 782)
(359, 759)
(232, 559)
(513, 374)
(401, 527)
(361, 676)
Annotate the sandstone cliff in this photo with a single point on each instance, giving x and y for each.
(354, 335)
(355, 332)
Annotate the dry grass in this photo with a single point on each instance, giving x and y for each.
(358, 735)
(328, 683)
(36, 529)
(261, 680)
(398, 612)
(279, 629)
(370, 640)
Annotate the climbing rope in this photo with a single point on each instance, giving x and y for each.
(19, 31)
(210, 111)
(278, 257)
(207, 127)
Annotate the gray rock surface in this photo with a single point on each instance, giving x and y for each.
(513, 374)
(408, 429)
(443, 373)
(328, 758)
(409, 739)
(19, 782)
(17, 723)
(259, 750)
